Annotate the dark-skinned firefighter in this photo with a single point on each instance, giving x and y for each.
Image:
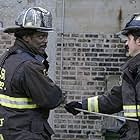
(27, 94)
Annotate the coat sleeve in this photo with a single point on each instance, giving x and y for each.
(107, 103)
(39, 87)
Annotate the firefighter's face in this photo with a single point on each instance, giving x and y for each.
(133, 45)
(39, 41)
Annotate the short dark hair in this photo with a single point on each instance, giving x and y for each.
(135, 33)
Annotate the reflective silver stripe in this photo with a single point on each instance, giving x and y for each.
(19, 103)
(130, 110)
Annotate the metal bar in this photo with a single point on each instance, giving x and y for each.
(107, 115)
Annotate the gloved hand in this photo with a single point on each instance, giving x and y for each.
(70, 107)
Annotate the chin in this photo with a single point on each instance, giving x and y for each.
(42, 52)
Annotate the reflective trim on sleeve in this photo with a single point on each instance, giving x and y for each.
(1, 137)
(93, 104)
(18, 103)
(130, 110)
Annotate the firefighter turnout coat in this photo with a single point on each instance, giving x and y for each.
(27, 95)
(125, 97)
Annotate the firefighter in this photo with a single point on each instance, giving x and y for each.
(126, 96)
(27, 94)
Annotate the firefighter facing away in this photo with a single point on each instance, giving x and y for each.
(27, 94)
(126, 96)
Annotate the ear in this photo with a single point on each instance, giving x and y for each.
(138, 41)
(26, 38)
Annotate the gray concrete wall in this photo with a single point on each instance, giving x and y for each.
(105, 16)
(9, 9)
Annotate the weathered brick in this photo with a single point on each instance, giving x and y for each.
(105, 55)
(104, 64)
(91, 35)
(69, 136)
(84, 40)
(74, 35)
(75, 131)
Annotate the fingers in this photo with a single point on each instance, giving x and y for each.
(70, 107)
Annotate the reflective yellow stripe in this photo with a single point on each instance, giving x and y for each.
(93, 104)
(19, 106)
(1, 137)
(131, 106)
(18, 103)
(89, 105)
(130, 110)
(131, 114)
(15, 99)
(96, 104)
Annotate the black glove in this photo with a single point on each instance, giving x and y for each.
(70, 107)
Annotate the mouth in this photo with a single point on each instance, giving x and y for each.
(42, 48)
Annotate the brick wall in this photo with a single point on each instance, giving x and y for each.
(87, 60)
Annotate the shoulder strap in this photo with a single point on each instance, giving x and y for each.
(6, 55)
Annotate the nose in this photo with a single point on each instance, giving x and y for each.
(45, 39)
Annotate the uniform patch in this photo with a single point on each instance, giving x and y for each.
(1, 122)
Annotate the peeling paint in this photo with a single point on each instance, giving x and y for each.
(31, 1)
(120, 18)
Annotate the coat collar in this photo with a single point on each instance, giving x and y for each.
(132, 63)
